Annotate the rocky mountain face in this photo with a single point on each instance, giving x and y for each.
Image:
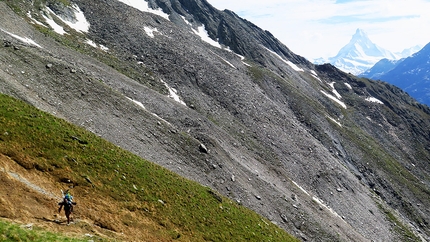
(323, 154)
(412, 75)
(359, 54)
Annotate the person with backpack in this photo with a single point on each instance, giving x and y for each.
(67, 203)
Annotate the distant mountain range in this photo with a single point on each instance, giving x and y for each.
(380, 68)
(361, 54)
(411, 74)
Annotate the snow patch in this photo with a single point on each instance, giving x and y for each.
(315, 75)
(317, 200)
(93, 44)
(334, 91)
(22, 39)
(347, 85)
(224, 60)
(137, 102)
(79, 23)
(173, 93)
(291, 64)
(150, 31)
(334, 120)
(374, 100)
(301, 188)
(143, 6)
(201, 31)
(320, 202)
(56, 27)
(334, 99)
(203, 34)
(242, 58)
(34, 20)
(143, 107)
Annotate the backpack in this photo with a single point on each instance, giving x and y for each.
(68, 199)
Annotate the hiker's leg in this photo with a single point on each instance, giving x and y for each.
(68, 216)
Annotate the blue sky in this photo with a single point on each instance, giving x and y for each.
(320, 28)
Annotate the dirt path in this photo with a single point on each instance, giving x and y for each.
(30, 197)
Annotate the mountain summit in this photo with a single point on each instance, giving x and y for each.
(359, 54)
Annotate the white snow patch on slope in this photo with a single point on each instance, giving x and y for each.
(203, 34)
(334, 99)
(334, 91)
(315, 75)
(23, 39)
(316, 199)
(173, 93)
(224, 60)
(320, 202)
(291, 64)
(243, 58)
(201, 31)
(349, 86)
(80, 24)
(34, 20)
(137, 102)
(334, 120)
(150, 31)
(143, 6)
(301, 188)
(93, 44)
(374, 100)
(56, 27)
(143, 107)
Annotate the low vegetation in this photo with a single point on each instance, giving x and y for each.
(14, 232)
(184, 209)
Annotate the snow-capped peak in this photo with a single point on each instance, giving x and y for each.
(360, 54)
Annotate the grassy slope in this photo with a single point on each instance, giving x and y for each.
(13, 232)
(184, 209)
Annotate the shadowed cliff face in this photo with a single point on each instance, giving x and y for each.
(325, 155)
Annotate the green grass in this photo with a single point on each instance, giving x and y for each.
(405, 233)
(37, 140)
(13, 232)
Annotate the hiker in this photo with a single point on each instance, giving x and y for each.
(68, 205)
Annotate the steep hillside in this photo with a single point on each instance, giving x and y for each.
(324, 155)
(119, 195)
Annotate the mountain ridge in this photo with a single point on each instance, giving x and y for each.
(279, 138)
(411, 75)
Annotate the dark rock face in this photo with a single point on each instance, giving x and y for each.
(323, 154)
